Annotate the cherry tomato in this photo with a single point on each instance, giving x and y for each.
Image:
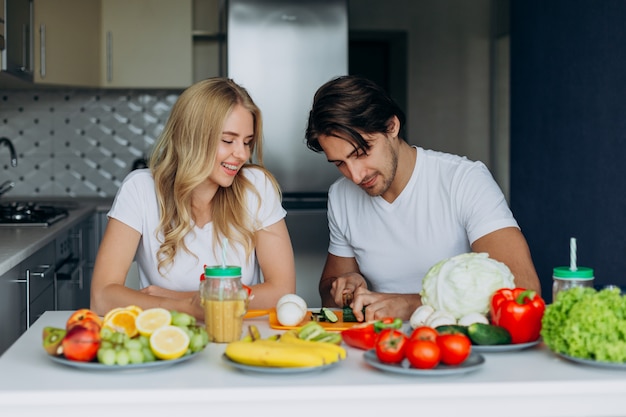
(455, 348)
(424, 333)
(422, 353)
(390, 345)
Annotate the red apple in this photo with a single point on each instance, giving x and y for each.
(81, 316)
(81, 343)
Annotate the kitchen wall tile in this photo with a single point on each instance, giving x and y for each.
(78, 142)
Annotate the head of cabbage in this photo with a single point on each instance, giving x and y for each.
(465, 283)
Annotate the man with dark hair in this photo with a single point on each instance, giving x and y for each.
(400, 209)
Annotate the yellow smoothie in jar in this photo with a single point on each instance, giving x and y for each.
(224, 319)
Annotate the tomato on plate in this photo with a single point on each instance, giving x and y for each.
(424, 333)
(455, 348)
(390, 345)
(423, 353)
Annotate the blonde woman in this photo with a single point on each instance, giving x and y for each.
(201, 189)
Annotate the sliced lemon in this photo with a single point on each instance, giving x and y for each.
(151, 319)
(122, 321)
(169, 342)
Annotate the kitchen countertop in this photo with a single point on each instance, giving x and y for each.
(18, 243)
(521, 383)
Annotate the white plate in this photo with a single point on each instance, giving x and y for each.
(504, 348)
(598, 364)
(276, 370)
(97, 366)
(472, 363)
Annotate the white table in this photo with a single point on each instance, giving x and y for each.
(529, 382)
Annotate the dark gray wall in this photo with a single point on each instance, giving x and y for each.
(568, 133)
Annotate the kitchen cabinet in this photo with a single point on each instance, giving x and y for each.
(11, 307)
(2, 45)
(26, 292)
(104, 43)
(146, 43)
(55, 276)
(66, 39)
(16, 39)
(75, 260)
(209, 39)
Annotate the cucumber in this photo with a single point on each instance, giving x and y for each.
(452, 329)
(348, 314)
(488, 334)
(329, 315)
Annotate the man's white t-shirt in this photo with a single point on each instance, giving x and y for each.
(448, 203)
(136, 206)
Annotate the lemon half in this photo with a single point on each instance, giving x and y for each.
(151, 319)
(169, 342)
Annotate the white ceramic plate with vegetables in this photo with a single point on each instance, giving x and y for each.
(590, 362)
(472, 363)
(504, 348)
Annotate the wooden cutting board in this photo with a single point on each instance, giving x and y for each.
(338, 326)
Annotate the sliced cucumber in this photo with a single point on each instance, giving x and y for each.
(329, 315)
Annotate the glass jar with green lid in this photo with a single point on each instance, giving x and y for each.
(564, 278)
(225, 303)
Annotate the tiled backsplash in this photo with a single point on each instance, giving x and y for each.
(78, 142)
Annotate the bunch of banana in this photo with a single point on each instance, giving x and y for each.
(287, 351)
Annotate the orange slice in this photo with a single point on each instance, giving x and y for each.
(135, 309)
(122, 321)
(108, 315)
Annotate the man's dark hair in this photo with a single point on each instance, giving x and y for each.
(347, 106)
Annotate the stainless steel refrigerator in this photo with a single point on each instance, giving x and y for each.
(282, 51)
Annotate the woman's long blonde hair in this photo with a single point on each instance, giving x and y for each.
(184, 156)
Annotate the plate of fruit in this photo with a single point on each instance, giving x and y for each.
(127, 338)
(309, 348)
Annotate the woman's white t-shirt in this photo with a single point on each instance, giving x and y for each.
(448, 203)
(136, 206)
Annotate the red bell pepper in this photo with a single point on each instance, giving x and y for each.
(364, 335)
(361, 336)
(519, 311)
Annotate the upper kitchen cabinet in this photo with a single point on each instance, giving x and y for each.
(15, 41)
(146, 43)
(67, 42)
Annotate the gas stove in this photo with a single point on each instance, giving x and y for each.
(31, 214)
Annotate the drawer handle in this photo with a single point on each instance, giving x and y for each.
(46, 269)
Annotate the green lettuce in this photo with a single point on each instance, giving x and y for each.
(587, 324)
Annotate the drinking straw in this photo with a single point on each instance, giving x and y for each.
(224, 248)
(572, 254)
